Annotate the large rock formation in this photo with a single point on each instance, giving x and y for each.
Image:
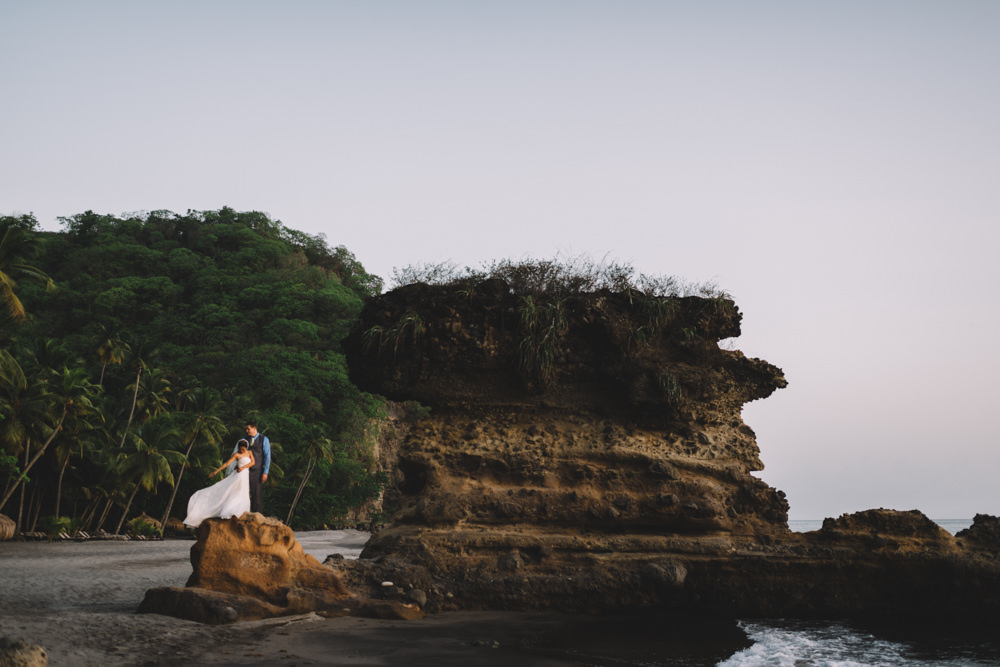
(588, 453)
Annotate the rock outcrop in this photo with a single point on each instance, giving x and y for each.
(252, 567)
(7, 527)
(588, 453)
(17, 653)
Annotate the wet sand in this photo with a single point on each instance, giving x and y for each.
(78, 601)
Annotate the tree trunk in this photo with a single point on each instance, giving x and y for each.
(41, 450)
(62, 473)
(23, 483)
(298, 492)
(131, 414)
(128, 506)
(90, 512)
(35, 508)
(177, 483)
(104, 514)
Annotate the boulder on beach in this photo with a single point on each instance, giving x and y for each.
(252, 567)
(17, 653)
(7, 527)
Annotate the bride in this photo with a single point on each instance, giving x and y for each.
(227, 498)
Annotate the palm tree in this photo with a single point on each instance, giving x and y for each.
(111, 461)
(108, 487)
(140, 366)
(28, 411)
(318, 447)
(154, 397)
(71, 398)
(29, 398)
(17, 245)
(11, 375)
(204, 427)
(155, 402)
(147, 463)
(79, 430)
(154, 386)
(111, 351)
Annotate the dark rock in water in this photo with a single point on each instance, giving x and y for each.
(882, 522)
(588, 453)
(984, 532)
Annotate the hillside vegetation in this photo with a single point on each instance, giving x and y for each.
(133, 349)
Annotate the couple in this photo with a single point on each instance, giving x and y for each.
(240, 491)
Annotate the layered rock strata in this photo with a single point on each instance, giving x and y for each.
(588, 453)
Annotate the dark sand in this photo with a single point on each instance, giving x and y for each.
(78, 600)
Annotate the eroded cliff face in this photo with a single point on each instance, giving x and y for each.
(614, 413)
(588, 453)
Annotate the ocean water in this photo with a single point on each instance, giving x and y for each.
(796, 643)
(800, 643)
(664, 641)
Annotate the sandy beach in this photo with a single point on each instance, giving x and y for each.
(78, 601)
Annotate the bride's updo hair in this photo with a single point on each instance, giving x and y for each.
(243, 444)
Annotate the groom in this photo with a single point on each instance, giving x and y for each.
(261, 448)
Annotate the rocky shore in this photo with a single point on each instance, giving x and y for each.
(554, 461)
(588, 454)
(78, 601)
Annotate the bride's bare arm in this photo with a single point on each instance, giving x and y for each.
(223, 466)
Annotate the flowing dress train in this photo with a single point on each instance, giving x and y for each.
(226, 498)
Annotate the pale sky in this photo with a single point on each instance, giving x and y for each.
(832, 165)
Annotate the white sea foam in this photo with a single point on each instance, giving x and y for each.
(793, 643)
(800, 644)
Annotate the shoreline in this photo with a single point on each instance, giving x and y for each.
(78, 600)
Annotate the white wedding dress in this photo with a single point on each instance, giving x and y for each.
(227, 498)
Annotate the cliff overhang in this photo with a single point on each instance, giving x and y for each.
(586, 452)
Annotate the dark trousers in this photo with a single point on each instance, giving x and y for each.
(256, 487)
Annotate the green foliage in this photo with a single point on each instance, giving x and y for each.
(658, 313)
(542, 326)
(407, 332)
(18, 248)
(555, 277)
(545, 288)
(722, 305)
(415, 411)
(546, 291)
(671, 388)
(141, 527)
(53, 526)
(151, 306)
(9, 462)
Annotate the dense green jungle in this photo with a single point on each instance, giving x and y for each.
(134, 349)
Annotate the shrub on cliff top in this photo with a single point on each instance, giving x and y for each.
(573, 275)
